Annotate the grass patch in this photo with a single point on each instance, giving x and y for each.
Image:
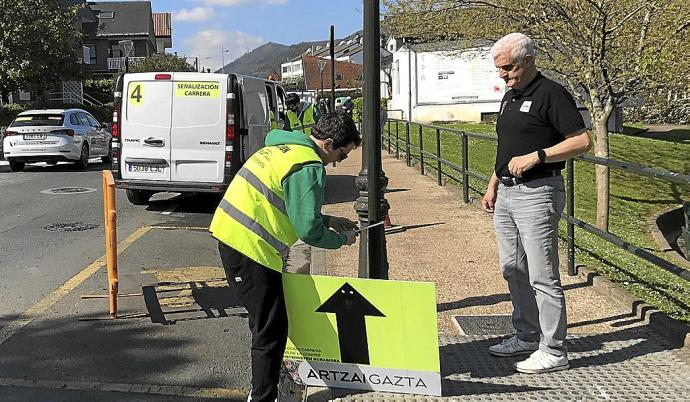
(634, 199)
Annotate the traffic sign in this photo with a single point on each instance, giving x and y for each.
(363, 333)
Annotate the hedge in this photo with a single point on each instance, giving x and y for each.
(102, 113)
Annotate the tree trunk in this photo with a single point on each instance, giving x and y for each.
(601, 149)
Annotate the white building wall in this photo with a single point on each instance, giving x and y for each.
(445, 86)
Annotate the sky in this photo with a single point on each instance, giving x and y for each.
(209, 28)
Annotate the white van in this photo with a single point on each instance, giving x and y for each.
(188, 132)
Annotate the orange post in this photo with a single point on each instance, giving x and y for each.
(110, 217)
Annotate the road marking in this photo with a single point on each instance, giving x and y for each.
(14, 326)
(150, 389)
(170, 209)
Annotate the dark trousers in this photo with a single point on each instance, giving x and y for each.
(260, 290)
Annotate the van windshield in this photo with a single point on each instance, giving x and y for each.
(38, 120)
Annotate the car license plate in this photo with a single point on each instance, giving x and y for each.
(144, 168)
(34, 136)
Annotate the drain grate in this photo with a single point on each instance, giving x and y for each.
(484, 324)
(70, 227)
(69, 190)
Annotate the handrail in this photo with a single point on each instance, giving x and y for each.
(568, 216)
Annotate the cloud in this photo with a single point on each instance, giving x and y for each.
(196, 14)
(207, 45)
(230, 3)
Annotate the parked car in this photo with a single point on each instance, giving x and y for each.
(53, 135)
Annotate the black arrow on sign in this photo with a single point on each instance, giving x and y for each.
(350, 307)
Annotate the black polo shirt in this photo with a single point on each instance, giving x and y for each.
(533, 118)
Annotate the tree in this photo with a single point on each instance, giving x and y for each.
(605, 51)
(160, 62)
(39, 44)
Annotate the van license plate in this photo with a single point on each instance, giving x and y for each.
(144, 168)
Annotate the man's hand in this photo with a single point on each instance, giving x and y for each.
(351, 237)
(489, 199)
(341, 225)
(520, 164)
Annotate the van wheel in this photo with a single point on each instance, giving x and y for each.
(83, 161)
(17, 166)
(138, 197)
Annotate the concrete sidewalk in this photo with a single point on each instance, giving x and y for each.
(445, 241)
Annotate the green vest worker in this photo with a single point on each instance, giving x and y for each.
(275, 199)
(301, 116)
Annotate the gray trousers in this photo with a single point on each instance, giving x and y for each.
(526, 221)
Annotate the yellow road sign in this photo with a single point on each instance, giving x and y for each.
(363, 333)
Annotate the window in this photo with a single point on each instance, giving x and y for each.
(92, 53)
(286, 69)
(115, 50)
(82, 119)
(338, 77)
(73, 120)
(359, 77)
(92, 121)
(38, 120)
(106, 15)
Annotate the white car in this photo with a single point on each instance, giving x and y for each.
(53, 135)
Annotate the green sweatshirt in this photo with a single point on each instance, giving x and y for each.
(304, 195)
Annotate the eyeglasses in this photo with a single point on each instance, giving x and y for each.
(508, 67)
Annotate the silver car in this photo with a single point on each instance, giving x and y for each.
(53, 135)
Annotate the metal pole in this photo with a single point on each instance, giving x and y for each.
(371, 206)
(196, 63)
(407, 144)
(409, 82)
(397, 144)
(332, 67)
(438, 156)
(465, 168)
(570, 202)
(421, 150)
(222, 56)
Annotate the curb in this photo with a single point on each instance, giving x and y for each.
(675, 332)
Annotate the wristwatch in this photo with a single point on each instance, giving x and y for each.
(542, 156)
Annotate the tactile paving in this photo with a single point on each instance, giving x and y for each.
(627, 365)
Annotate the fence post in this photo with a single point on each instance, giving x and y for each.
(390, 135)
(397, 143)
(407, 144)
(465, 168)
(110, 217)
(421, 150)
(570, 202)
(438, 156)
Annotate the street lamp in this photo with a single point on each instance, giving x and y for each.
(126, 47)
(196, 61)
(322, 65)
(222, 56)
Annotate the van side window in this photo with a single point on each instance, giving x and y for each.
(281, 103)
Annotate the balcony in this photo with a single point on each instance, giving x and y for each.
(118, 63)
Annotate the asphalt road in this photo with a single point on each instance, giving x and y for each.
(36, 258)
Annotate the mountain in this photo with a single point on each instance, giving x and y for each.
(267, 58)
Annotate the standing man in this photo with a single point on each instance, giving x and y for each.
(538, 127)
(301, 116)
(275, 199)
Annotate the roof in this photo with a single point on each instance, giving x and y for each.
(130, 18)
(162, 25)
(450, 45)
(50, 111)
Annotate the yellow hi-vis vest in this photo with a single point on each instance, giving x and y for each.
(304, 123)
(252, 217)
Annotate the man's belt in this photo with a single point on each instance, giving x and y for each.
(510, 181)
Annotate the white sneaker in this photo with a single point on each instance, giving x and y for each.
(512, 347)
(542, 362)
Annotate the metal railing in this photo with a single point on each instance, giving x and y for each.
(118, 63)
(571, 221)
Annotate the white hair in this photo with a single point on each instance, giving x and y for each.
(519, 44)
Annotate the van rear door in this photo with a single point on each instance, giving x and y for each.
(255, 105)
(199, 122)
(145, 126)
